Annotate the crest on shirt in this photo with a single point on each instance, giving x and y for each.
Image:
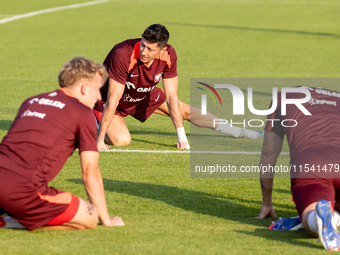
(158, 77)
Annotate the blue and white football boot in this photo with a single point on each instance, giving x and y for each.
(287, 223)
(329, 235)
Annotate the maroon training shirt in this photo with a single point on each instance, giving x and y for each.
(320, 131)
(125, 67)
(44, 134)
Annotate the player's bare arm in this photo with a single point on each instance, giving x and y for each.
(271, 148)
(94, 186)
(115, 93)
(170, 87)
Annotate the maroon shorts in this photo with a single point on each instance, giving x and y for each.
(308, 191)
(312, 186)
(34, 205)
(140, 111)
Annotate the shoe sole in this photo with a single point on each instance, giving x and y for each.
(324, 213)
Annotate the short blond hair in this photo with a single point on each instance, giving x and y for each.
(80, 68)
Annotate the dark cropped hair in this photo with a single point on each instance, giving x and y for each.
(156, 33)
(80, 68)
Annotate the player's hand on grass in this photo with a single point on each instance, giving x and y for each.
(115, 222)
(102, 146)
(182, 145)
(266, 211)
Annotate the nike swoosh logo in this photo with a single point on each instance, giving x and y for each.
(134, 75)
(157, 98)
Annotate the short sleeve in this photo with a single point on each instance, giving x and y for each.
(119, 64)
(86, 133)
(170, 71)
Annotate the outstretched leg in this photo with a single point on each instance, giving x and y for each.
(194, 115)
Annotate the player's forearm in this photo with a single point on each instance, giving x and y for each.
(267, 178)
(108, 114)
(175, 111)
(271, 148)
(267, 190)
(95, 191)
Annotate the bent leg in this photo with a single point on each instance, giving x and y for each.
(306, 194)
(85, 218)
(118, 133)
(309, 220)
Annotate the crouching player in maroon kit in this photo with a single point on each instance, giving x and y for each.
(314, 163)
(47, 129)
(135, 67)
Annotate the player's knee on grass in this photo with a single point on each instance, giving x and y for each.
(305, 215)
(121, 140)
(87, 215)
(93, 222)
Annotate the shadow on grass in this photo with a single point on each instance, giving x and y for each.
(255, 29)
(5, 124)
(151, 133)
(150, 142)
(289, 237)
(189, 200)
(146, 132)
(282, 191)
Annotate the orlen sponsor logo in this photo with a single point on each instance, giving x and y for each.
(46, 101)
(130, 85)
(326, 92)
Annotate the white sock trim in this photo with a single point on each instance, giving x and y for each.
(312, 222)
(336, 219)
(228, 129)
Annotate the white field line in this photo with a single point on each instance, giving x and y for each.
(186, 151)
(61, 8)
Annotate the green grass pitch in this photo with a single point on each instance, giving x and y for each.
(165, 211)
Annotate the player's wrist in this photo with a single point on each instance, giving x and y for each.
(105, 221)
(100, 138)
(267, 202)
(181, 135)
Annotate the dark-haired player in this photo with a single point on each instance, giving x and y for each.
(47, 129)
(314, 163)
(135, 67)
